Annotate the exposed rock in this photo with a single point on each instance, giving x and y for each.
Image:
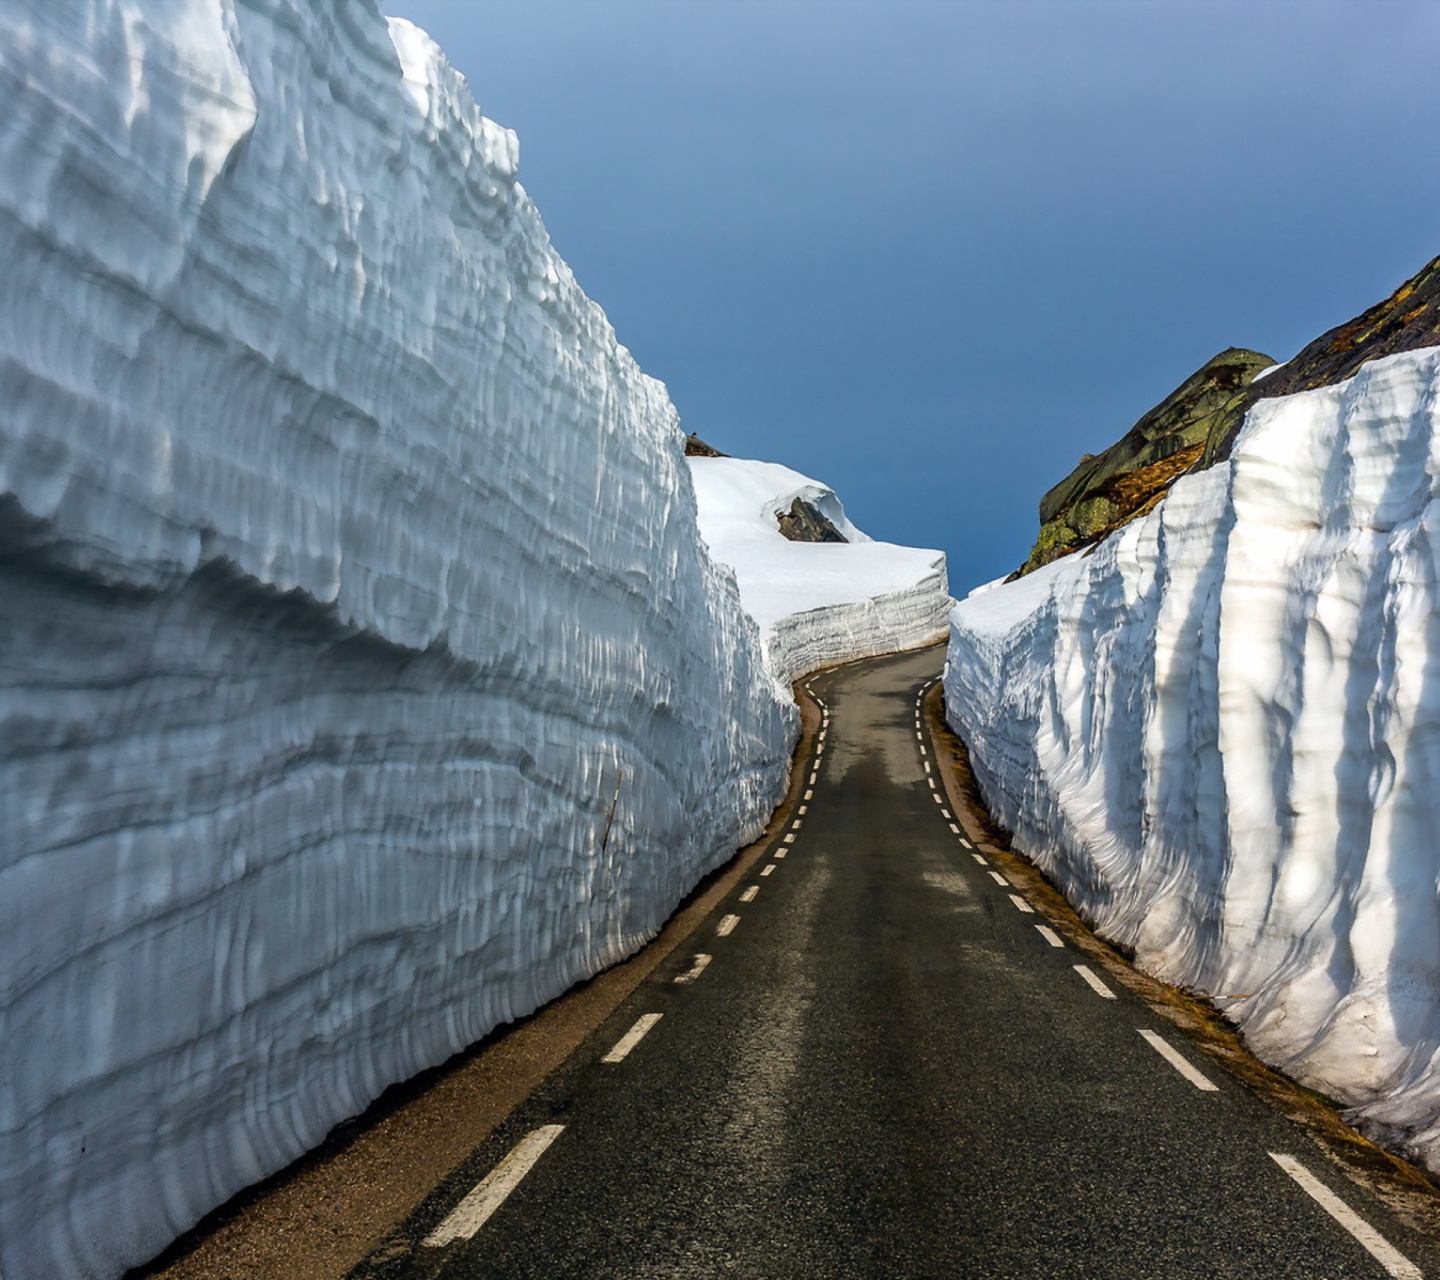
(697, 448)
(1110, 489)
(1196, 425)
(1406, 321)
(806, 523)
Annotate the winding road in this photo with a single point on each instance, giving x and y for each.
(876, 1058)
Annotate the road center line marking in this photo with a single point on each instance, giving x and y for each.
(1379, 1248)
(937, 796)
(923, 752)
(1050, 935)
(955, 829)
(749, 894)
(1172, 1056)
(978, 858)
(1022, 905)
(631, 1038)
(946, 814)
(999, 879)
(767, 868)
(927, 766)
(1098, 987)
(467, 1217)
(727, 926)
(695, 970)
(965, 844)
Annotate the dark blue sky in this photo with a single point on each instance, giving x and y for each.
(931, 253)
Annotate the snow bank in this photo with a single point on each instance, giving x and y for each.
(351, 574)
(1220, 734)
(816, 603)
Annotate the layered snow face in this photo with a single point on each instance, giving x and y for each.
(816, 603)
(1220, 733)
(352, 581)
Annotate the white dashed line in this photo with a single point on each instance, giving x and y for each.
(779, 853)
(767, 869)
(1021, 904)
(956, 830)
(927, 766)
(965, 844)
(749, 894)
(937, 797)
(467, 1217)
(1172, 1056)
(813, 776)
(727, 926)
(923, 752)
(979, 859)
(808, 794)
(804, 808)
(789, 837)
(946, 814)
(631, 1038)
(1050, 935)
(1098, 987)
(695, 970)
(999, 879)
(796, 825)
(1385, 1253)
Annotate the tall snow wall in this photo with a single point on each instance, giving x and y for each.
(350, 575)
(1220, 734)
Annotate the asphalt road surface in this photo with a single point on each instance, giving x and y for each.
(890, 1067)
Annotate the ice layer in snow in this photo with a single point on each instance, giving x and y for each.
(351, 577)
(816, 603)
(1220, 734)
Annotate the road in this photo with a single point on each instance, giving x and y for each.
(891, 1066)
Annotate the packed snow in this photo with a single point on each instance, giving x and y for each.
(1220, 734)
(816, 603)
(352, 579)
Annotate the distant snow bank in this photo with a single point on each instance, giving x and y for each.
(1220, 734)
(816, 603)
(352, 575)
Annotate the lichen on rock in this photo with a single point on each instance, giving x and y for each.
(1109, 489)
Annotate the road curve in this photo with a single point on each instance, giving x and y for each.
(876, 1059)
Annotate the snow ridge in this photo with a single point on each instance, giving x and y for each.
(816, 603)
(1220, 734)
(354, 574)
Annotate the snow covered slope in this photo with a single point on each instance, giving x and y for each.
(816, 603)
(1220, 733)
(351, 574)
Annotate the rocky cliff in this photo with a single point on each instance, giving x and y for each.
(1196, 425)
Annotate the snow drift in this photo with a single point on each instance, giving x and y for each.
(351, 575)
(816, 603)
(1220, 734)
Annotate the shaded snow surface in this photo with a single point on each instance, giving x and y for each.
(816, 603)
(352, 574)
(1220, 734)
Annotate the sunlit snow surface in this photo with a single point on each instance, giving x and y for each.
(1220, 733)
(816, 603)
(351, 575)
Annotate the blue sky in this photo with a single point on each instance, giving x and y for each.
(931, 253)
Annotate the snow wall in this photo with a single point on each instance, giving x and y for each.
(350, 574)
(816, 603)
(1220, 735)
